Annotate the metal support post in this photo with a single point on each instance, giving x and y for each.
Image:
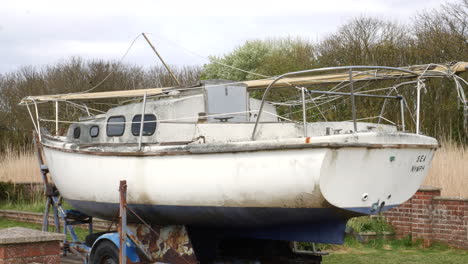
(45, 218)
(43, 169)
(402, 109)
(142, 119)
(56, 216)
(87, 109)
(38, 123)
(90, 225)
(56, 118)
(353, 103)
(418, 103)
(69, 217)
(123, 222)
(304, 116)
(32, 119)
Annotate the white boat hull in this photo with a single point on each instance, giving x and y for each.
(288, 178)
(261, 189)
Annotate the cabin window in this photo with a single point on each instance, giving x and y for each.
(77, 132)
(149, 125)
(94, 131)
(115, 126)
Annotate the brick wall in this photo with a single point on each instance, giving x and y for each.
(40, 252)
(429, 217)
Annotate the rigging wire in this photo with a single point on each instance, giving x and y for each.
(210, 59)
(83, 108)
(113, 70)
(314, 100)
(175, 119)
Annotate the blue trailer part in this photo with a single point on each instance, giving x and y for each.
(71, 218)
(130, 247)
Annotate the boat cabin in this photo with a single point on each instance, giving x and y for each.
(172, 117)
(215, 111)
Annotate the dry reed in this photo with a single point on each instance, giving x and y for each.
(19, 166)
(449, 169)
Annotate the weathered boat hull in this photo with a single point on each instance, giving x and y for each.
(310, 184)
(321, 225)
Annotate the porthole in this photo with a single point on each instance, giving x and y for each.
(94, 131)
(77, 132)
(115, 126)
(149, 125)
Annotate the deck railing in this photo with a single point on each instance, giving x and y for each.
(352, 94)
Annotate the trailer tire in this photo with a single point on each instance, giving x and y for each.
(90, 239)
(106, 253)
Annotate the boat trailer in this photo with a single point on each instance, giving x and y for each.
(148, 243)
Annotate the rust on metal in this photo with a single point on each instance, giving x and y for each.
(38, 149)
(168, 244)
(123, 222)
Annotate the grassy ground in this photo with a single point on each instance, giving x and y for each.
(397, 256)
(376, 251)
(36, 206)
(374, 223)
(390, 252)
(5, 223)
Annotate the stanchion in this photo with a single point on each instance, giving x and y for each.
(123, 222)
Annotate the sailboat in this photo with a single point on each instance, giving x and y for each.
(216, 156)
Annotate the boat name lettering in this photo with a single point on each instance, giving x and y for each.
(421, 158)
(419, 168)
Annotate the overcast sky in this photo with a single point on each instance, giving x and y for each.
(41, 32)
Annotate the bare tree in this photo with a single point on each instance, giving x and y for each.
(441, 35)
(366, 40)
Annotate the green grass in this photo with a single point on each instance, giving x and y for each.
(36, 206)
(402, 251)
(24, 197)
(390, 255)
(6, 223)
(369, 224)
(397, 256)
(393, 251)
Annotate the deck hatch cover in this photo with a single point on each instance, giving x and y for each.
(225, 99)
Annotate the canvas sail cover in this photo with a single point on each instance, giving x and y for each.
(361, 75)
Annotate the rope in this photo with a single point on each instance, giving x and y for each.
(372, 117)
(318, 108)
(113, 70)
(210, 59)
(167, 120)
(83, 108)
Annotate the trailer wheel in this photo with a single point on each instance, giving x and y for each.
(106, 253)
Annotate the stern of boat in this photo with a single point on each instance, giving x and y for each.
(385, 172)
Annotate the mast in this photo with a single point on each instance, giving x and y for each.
(164, 63)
